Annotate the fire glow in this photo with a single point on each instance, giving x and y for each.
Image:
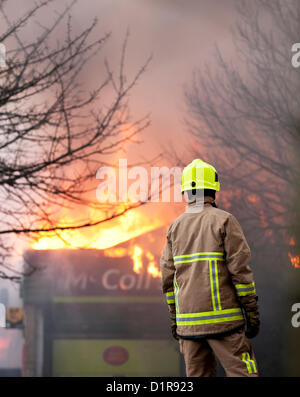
(138, 256)
(106, 237)
(295, 259)
(4, 347)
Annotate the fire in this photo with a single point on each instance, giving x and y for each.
(263, 219)
(136, 256)
(137, 253)
(252, 198)
(119, 230)
(152, 269)
(295, 260)
(292, 241)
(106, 237)
(115, 252)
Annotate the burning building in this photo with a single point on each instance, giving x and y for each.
(98, 312)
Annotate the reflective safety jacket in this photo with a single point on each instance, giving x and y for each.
(206, 276)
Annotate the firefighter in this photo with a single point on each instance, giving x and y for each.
(208, 283)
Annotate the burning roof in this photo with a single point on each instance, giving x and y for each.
(129, 268)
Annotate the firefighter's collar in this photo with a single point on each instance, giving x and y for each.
(198, 205)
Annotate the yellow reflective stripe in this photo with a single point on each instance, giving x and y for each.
(212, 286)
(210, 313)
(246, 293)
(171, 293)
(198, 256)
(254, 366)
(199, 253)
(245, 285)
(217, 284)
(247, 363)
(250, 364)
(210, 321)
(245, 289)
(196, 260)
(176, 289)
(211, 317)
(170, 297)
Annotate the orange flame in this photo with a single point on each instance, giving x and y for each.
(295, 260)
(263, 218)
(252, 198)
(107, 237)
(119, 230)
(137, 257)
(292, 241)
(115, 252)
(152, 268)
(136, 254)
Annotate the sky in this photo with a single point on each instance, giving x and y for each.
(179, 34)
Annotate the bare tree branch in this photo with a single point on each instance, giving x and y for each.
(245, 117)
(54, 134)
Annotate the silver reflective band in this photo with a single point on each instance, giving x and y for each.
(215, 316)
(250, 364)
(170, 297)
(176, 289)
(206, 317)
(245, 289)
(198, 256)
(213, 267)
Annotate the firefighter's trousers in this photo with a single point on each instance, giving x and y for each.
(234, 352)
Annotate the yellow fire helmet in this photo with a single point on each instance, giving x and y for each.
(199, 175)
